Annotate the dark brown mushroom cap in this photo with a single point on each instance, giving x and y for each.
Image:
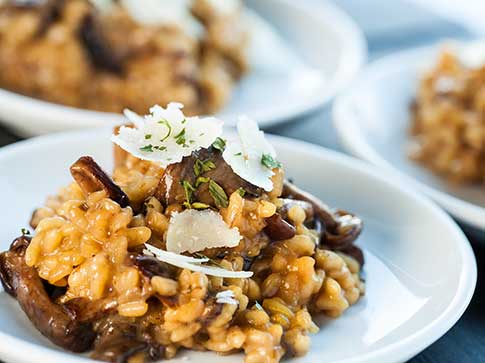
(338, 229)
(91, 178)
(170, 189)
(52, 320)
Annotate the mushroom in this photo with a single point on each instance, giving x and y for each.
(51, 319)
(91, 178)
(170, 189)
(278, 229)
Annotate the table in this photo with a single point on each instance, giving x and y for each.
(406, 26)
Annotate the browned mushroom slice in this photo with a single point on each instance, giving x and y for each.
(52, 320)
(100, 51)
(91, 178)
(278, 229)
(339, 229)
(170, 189)
(347, 231)
(287, 204)
(321, 210)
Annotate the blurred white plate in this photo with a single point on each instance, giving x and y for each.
(372, 119)
(420, 269)
(301, 57)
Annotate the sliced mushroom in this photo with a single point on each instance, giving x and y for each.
(91, 178)
(338, 229)
(52, 320)
(321, 210)
(101, 53)
(170, 189)
(278, 229)
(289, 203)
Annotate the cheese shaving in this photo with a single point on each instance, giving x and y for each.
(246, 156)
(226, 297)
(195, 230)
(182, 262)
(165, 135)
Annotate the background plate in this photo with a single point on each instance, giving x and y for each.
(301, 57)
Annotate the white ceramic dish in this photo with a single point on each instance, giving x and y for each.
(372, 120)
(420, 269)
(301, 57)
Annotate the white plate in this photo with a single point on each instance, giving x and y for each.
(420, 269)
(372, 119)
(300, 58)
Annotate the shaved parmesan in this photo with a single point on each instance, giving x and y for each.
(181, 262)
(195, 230)
(245, 157)
(226, 297)
(166, 135)
(175, 256)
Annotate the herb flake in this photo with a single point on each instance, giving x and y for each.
(218, 194)
(268, 161)
(219, 144)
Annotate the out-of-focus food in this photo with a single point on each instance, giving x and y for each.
(187, 254)
(72, 53)
(448, 120)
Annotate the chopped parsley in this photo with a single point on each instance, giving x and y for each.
(201, 167)
(180, 138)
(148, 136)
(219, 144)
(169, 129)
(238, 154)
(201, 180)
(189, 190)
(268, 161)
(25, 232)
(218, 194)
(241, 191)
(199, 205)
(147, 148)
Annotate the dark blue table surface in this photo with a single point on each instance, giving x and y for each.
(407, 26)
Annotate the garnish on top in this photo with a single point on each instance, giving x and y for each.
(166, 136)
(252, 157)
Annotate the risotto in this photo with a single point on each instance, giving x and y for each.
(204, 252)
(448, 121)
(72, 53)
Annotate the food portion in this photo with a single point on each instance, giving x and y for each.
(196, 242)
(448, 120)
(124, 53)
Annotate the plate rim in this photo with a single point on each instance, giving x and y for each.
(347, 127)
(395, 352)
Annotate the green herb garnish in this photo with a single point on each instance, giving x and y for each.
(147, 148)
(169, 129)
(180, 137)
(218, 194)
(238, 154)
(268, 161)
(188, 189)
(148, 136)
(242, 192)
(199, 205)
(201, 180)
(219, 144)
(201, 167)
(25, 232)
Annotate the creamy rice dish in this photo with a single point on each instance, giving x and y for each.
(197, 242)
